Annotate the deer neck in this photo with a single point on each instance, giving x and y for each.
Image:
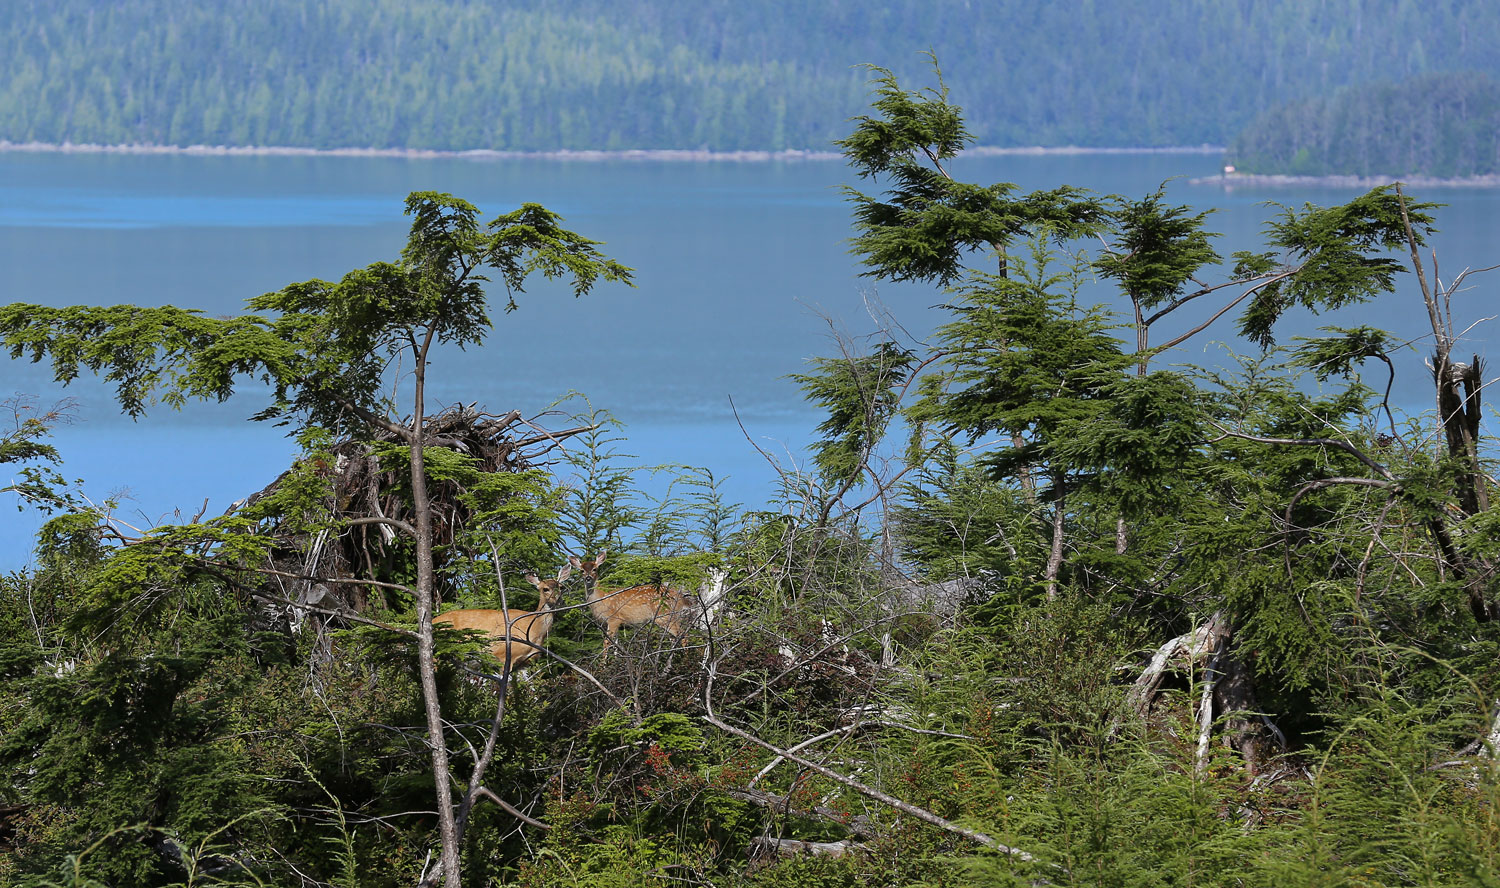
(541, 624)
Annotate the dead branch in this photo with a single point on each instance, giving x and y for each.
(510, 809)
(793, 847)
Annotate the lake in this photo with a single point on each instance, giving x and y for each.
(743, 271)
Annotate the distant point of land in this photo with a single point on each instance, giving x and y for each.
(1443, 125)
(1230, 181)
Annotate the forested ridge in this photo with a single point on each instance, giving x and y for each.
(1044, 607)
(768, 74)
(1435, 124)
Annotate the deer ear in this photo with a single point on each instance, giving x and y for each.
(573, 560)
(563, 573)
(534, 580)
(599, 559)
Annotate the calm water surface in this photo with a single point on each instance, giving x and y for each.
(743, 271)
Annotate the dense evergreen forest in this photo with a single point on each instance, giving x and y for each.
(1108, 620)
(718, 74)
(1435, 124)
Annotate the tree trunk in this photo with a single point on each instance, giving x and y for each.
(1458, 388)
(1228, 690)
(1028, 480)
(764, 845)
(1055, 558)
(426, 649)
(1234, 695)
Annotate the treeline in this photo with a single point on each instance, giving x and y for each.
(1435, 124)
(760, 74)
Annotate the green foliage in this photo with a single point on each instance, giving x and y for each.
(930, 222)
(1377, 810)
(22, 441)
(809, 872)
(1141, 448)
(1064, 650)
(858, 393)
(1131, 815)
(124, 748)
(673, 733)
(956, 520)
(513, 513)
(601, 503)
(1158, 249)
(603, 507)
(1021, 358)
(1336, 251)
(325, 348)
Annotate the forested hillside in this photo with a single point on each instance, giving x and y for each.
(1435, 124)
(719, 74)
(1100, 618)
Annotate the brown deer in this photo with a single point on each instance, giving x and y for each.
(516, 636)
(632, 605)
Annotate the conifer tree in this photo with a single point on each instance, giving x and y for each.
(324, 349)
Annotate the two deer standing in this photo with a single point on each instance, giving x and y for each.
(516, 637)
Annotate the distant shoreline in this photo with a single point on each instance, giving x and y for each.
(645, 154)
(1271, 180)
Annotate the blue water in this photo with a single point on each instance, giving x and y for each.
(742, 273)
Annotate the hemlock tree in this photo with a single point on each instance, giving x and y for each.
(324, 349)
(1021, 361)
(927, 223)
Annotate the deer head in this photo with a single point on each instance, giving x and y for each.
(516, 636)
(631, 605)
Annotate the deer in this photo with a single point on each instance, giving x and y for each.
(516, 636)
(632, 605)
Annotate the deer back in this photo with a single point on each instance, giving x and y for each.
(528, 629)
(631, 605)
(516, 636)
(638, 605)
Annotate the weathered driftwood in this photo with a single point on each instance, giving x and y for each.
(1225, 689)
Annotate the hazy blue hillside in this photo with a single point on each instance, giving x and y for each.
(651, 73)
(1434, 124)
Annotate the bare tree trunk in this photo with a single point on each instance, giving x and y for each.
(1028, 480)
(1228, 690)
(426, 649)
(1142, 336)
(1055, 558)
(1458, 387)
(1192, 646)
